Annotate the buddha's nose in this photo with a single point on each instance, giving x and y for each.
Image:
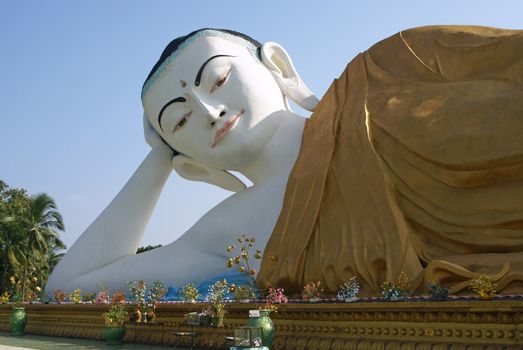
(214, 113)
(209, 109)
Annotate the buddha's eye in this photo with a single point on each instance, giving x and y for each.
(182, 122)
(221, 80)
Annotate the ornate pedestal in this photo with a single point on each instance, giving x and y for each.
(496, 324)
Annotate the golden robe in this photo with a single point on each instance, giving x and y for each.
(412, 161)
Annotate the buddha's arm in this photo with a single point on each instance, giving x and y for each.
(199, 254)
(118, 230)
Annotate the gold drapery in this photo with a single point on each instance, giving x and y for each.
(412, 161)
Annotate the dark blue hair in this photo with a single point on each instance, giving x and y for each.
(175, 44)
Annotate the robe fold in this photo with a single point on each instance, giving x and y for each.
(413, 162)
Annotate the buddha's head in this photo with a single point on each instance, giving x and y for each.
(216, 97)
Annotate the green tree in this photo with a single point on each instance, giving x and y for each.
(42, 224)
(147, 248)
(29, 236)
(13, 204)
(52, 258)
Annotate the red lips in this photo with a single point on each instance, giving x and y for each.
(221, 132)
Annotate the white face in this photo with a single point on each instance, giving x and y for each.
(226, 119)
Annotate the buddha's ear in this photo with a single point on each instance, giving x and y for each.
(279, 63)
(191, 170)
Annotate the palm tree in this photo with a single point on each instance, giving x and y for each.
(13, 202)
(51, 260)
(11, 249)
(42, 224)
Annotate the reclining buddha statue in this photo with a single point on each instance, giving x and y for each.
(411, 162)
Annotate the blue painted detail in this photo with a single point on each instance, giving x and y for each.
(171, 295)
(203, 287)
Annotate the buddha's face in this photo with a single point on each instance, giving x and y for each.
(216, 104)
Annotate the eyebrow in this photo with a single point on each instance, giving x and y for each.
(174, 100)
(199, 75)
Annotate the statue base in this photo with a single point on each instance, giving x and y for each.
(464, 324)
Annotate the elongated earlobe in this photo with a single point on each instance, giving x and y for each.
(191, 170)
(279, 63)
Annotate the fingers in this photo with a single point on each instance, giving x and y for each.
(151, 136)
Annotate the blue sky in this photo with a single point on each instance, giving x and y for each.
(71, 73)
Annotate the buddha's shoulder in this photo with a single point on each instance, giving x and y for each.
(449, 35)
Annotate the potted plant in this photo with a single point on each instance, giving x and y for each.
(4, 298)
(311, 291)
(242, 260)
(277, 296)
(17, 318)
(189, 293)
(137, 295)
(152, 298)
(118, 297)
(33, 291)
(349, 290)
(242, 293)
(114, 320)
(102, 297)
(88, 297)
(216, 296)
(261, 318)
(59, 296)
(397, 290)
(157, 292)
(76, 296)
(484, 287)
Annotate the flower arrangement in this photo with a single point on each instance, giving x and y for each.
(241, 292)
(437, 292)
(15, 289)
(118, 297)
(188, 293)
(396, 290)
(59, 296)
(33, 292)
(156, 293)
(311, 291)
(242, 260)
(116, 316)
(277, 296)
(274, 297)
(137, 292)
(76, 296)
(484, 287)
(88, 297)
(24, 292)
(269, 308)
(349, 290)
(144, 299)
(4, 298)
(102, 297)
(216, 296)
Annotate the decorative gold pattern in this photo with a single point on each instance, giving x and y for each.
(394, 325)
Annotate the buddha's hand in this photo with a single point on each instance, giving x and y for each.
(151, 136)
